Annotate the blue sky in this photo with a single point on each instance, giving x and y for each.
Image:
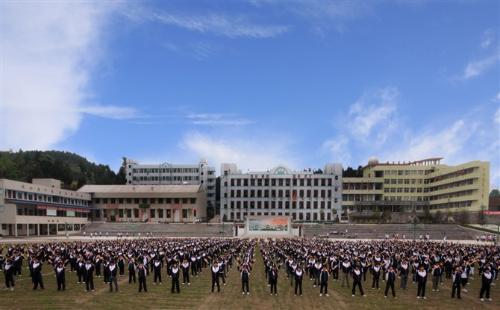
(258, 83)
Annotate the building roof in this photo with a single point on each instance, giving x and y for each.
(146, 189)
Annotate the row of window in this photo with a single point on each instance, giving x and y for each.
(453, 175)
(322, 216)
(461, 204)
(403, 190)
(145, 200)
(281, 193)
(30, 211)
(60, 227)
(165, 170)
(405, 181)
(405, 172)
(282, 182)
(27, 196)
(281, 204)
(451, 185)
(153, 213)
(361, 186)
(185, 178)
(452, 195)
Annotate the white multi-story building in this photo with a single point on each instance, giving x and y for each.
(41, 208)
(309, 195)
(173, 174)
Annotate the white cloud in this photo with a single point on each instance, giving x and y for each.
(497, 117)
(48, 51)
(476, 68)
(448, 142)
(218, 24)
(374, 111)
(487, 38)
(338, 149)
(217, 119)
(113, 112)
(258, 153)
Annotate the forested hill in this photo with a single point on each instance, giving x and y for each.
(72, 169)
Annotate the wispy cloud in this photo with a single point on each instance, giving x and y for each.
(48, 54)
(231, 26)
(446, 142)
(476, 68)
(323, 15)
(258, 153)
(113, 112)
(374, 110)
(217, 119)
(471, 136)
(487, 38)
(372, 117)
(338, 149)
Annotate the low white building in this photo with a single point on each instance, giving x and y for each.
(173, 174)
(41, 208)
(305, 196)
(147, 203)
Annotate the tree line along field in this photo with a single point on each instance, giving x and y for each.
(198, 295)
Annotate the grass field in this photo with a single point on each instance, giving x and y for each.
(198, 296)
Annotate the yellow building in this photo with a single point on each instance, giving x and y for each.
(397, 191)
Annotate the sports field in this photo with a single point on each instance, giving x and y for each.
(198, 295)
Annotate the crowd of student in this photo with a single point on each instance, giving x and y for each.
(108, 260)
(388, 261)
(320, 260)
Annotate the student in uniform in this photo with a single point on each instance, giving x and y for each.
(131, 270)
(89, 276)
(421, 277)
(106, 272)
(403, 273)
(436, 276)
(317, 267)
(390, 280)
(98, 264)
(142, 273)
(8, 272)
(273, 279)
(465, 277)
(157, 271)
(299, 274)
(121, 265)
(193, 265)
(80, 270)
(215, 276)
(375, 276)
(112, 274)
(60, 276)
(486, 279)
(457, 282)
(323, 281)
(222, 271)
(36, 274)
(357, 277)
(245, 279)
(346, 269)
(185, 272)
(174, 273)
